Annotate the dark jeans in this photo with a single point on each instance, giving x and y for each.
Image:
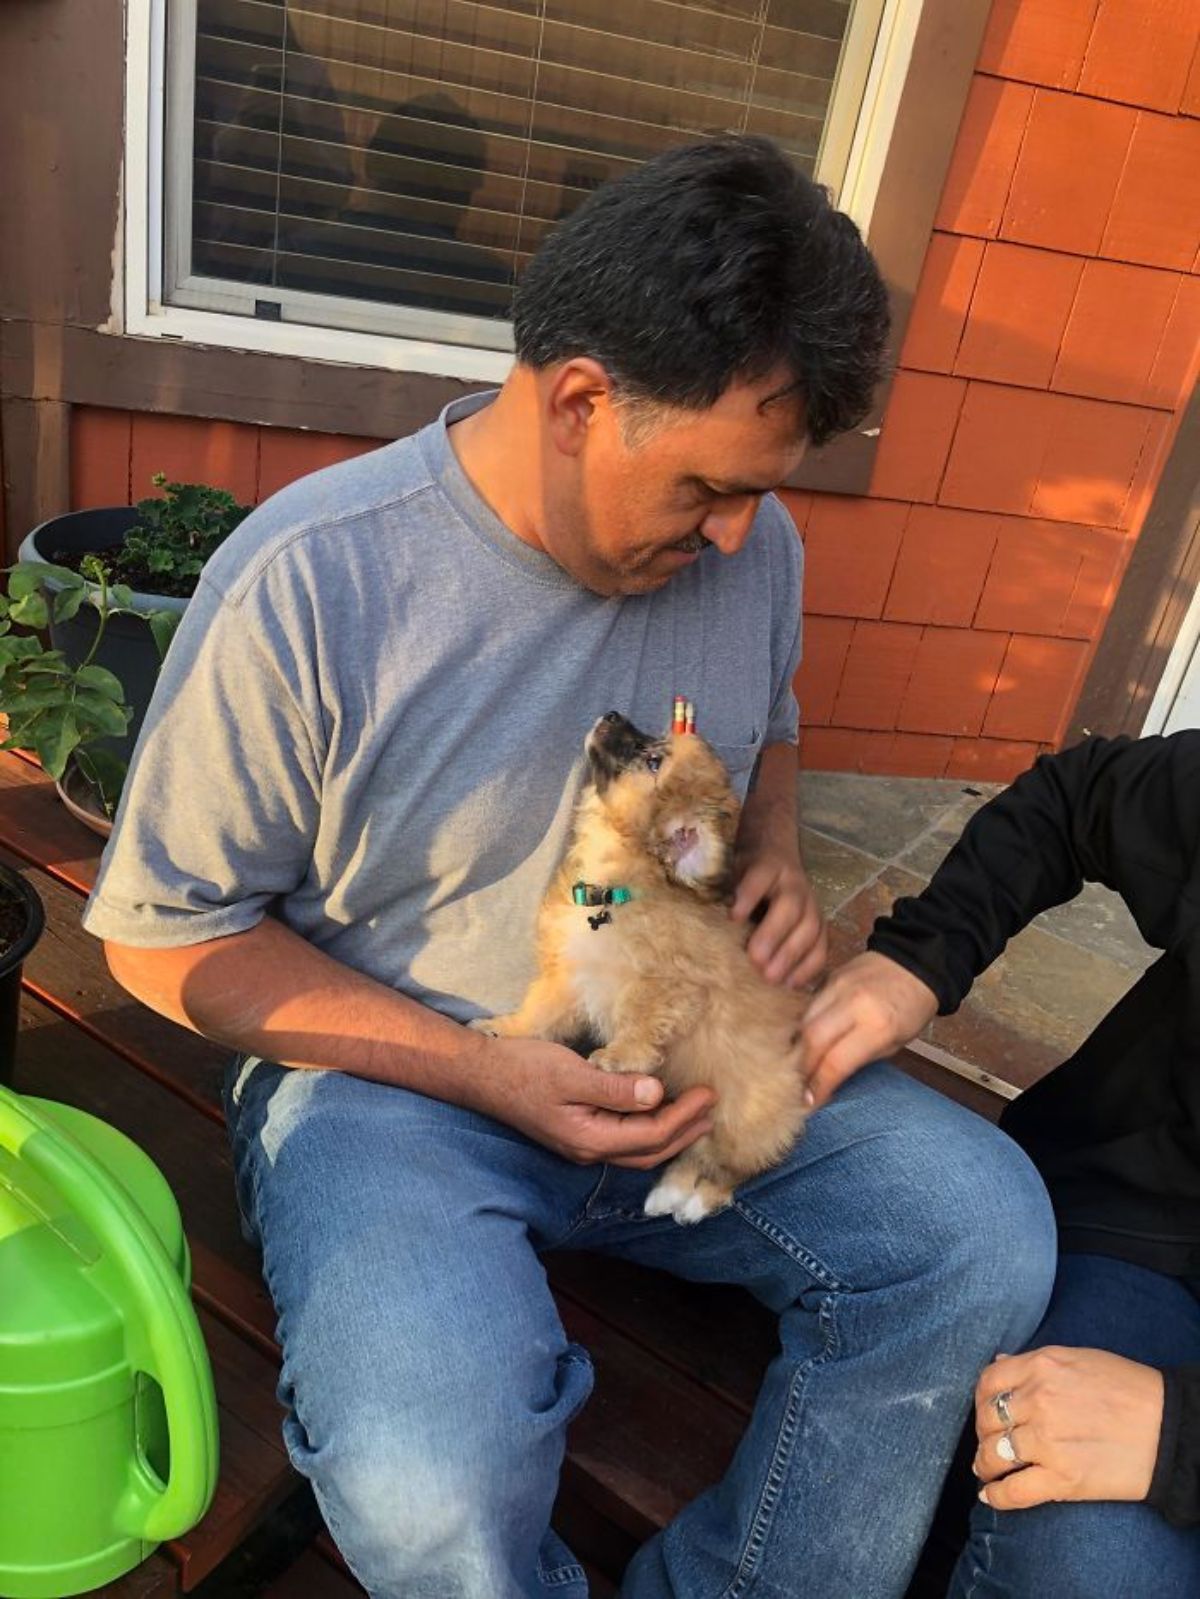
(1098, 1550)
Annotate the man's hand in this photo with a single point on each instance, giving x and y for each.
(790, 945)
(584, 1114)
(867, 1009)
(1085, 1425)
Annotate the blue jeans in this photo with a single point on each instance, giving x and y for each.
(1098, 1550)
(429, 1383)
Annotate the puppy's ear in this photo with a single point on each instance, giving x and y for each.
(695, 846)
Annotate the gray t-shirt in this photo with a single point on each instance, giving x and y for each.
(370, 723)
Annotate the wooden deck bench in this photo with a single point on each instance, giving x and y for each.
(670, 1401)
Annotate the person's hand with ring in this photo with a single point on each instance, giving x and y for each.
(1066, 1424)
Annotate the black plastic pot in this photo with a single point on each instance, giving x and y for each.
(11, 961)
(127, 649)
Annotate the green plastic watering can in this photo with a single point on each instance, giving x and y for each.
(108, 1420)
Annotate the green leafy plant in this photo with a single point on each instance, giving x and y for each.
(174, 535)
(59, 711)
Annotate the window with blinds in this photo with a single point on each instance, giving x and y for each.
(346, 162)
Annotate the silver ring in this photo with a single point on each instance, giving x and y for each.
(1007, 1450)
(1001, 1403)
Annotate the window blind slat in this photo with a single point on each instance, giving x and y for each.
(221, 185)
(393, 286)
(276, 269)
(431, 251)
(663, 22)
(828, 17)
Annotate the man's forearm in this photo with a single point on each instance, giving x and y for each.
(269, 992)
(770, 812)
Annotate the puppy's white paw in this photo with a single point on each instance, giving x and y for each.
(694, 1208)
(671, 1199)
(663, 1198)
(485, 1024)
(611, 1059)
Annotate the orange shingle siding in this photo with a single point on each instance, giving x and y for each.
(1053, 342)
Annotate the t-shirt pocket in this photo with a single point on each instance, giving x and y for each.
(739, 762)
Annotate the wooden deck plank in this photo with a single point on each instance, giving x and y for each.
(960, 1089)
(155, 1578)
(720, 1338)
(255, 1478)
(649, 1439)
(37, 827)
(312, 1577)
(240, 1300)
(56, 1059)
(67, 971)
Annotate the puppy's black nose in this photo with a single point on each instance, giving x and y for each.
(614, 742)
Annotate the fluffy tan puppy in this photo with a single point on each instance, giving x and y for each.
(652, 966)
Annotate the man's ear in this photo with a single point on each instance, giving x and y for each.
(696, 848)
(573, 394)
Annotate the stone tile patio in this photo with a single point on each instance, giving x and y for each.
(869, 840)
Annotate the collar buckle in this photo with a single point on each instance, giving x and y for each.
(598, 894)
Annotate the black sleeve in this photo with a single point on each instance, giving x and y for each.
(1122, 812)
(1175, 1489)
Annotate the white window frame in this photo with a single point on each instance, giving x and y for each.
(1176, 702)
(853, 150)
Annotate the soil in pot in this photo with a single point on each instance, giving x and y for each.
(14, 918)
(135, 575)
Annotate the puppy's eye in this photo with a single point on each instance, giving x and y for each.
(653, 762)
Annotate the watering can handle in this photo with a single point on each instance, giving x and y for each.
(177, 1358)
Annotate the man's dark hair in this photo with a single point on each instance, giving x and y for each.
(714, 262)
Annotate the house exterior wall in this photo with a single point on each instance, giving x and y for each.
(952, 615)
(953, 611)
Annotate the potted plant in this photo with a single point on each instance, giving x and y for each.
(70, 714)
(151, 555)
(21, 921)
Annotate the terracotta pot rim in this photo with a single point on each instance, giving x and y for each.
(96, 820)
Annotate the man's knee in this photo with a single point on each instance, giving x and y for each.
(925, 1199)
(409, 1523)
(445, 1496)
(989, 1224)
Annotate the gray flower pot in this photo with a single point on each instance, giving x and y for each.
(127, 649)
